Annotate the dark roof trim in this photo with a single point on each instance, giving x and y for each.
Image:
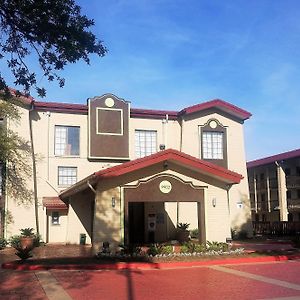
(221, 104)
(171, 155)
(149, 113)
(273, 158)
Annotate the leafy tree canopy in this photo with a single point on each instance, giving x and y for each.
(55, 30)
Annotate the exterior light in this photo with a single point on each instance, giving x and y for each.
(214, 202)
(113, 201)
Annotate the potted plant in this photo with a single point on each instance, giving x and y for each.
(27, 238)
(183, 232)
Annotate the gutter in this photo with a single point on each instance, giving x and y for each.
(79, 186)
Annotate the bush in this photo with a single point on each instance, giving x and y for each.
(36, 240)
(14, 241)
(130, 249)
(156, 249)
(191, 247)
(194, 233)
(28, 232)
(23, 253)
(239, 235)
(3, 243)
(217, 246)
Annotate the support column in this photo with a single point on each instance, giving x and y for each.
(282, 193)
(268, 190)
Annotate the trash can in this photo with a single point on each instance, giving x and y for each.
(82, 238)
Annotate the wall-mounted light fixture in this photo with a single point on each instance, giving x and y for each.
(214, 202)
(113, 201)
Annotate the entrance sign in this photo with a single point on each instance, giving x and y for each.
(165, 186)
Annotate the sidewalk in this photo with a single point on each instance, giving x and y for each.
(40, 284)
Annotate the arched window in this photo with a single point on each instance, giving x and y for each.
(214, 143)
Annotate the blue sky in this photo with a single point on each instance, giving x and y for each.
(172, 54)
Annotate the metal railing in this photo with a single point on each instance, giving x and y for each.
(279, 228)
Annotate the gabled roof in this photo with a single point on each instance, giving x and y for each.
(220, 104)
(170, 155)
(163, 157)
(273, 158)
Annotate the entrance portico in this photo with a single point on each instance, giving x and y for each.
(164, 188)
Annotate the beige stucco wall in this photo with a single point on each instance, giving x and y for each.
(107, 219)
(167, 133)
(240, 217)
(79, 219)
(57, 232)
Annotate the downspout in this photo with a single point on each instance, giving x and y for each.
(36, 208)
(228, 187)
(181, 121)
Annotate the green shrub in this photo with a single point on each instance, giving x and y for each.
(3, 243)
(14, 241)
(36, 240)
(130, 249)
(28, 232)
(194, 233)
(217, 246)
(192, 247)
(156, 249)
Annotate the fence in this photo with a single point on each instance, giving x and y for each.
(279, 228)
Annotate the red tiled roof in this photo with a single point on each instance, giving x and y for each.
(54, 203)
(27, 100)
(273, 158)
(171, 155)
(221, 104)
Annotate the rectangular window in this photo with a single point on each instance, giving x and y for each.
(66, 140)
(55, 218)
(212, 145)
(287, 172)
(145, 142)
(67, 176)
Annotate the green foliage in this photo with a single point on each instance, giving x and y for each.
(239, 234)
(3, 243)
(217, 246)
(36, 240)
(15, 153)
(191, 247)
(194, 233)
(183, 226)
(14, 241)
(28, 232)
(23, 253)
(55, 31)
(156, 249)
(130, 249)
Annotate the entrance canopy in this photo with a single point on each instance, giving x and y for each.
(169, 159)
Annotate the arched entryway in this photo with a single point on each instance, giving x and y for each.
(153, 208)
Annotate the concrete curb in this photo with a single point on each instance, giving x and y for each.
(15, 265)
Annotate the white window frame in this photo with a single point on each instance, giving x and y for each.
(68, 181)
(212, 145)
(145, 142)
(60, 142)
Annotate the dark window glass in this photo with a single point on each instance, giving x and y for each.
(287, 171)
(55, 218)
(66, 140)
